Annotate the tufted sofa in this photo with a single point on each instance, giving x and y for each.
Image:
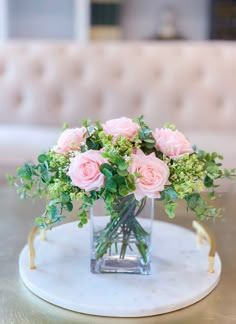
(43, 85)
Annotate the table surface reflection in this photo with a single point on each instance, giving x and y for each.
(19, 306)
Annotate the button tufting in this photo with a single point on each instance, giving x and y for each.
(117, 73)
(77, 71)
(177, 103)
(138, 100)
(57, 100)
(198, 74)
(219, 103)
(17, 99)
(98, 100)
(120, 79)
(37, 69)
(157, 72)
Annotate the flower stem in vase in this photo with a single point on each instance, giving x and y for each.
(123, 237)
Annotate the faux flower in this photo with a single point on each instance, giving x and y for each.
(70, 139)
(172, 143)
(153, 175)
(121, 126)
(120, 169)
(84, 170)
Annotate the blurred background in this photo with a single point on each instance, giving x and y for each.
(166, 67)
(118, 19)
(60, 62)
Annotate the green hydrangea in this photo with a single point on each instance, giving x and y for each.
(186, 175)
(58, 187)
(189, 175)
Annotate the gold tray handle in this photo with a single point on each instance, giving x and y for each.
(201, 229)
(31, 237)
(203, 232)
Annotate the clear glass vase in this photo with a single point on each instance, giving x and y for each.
(121, 243)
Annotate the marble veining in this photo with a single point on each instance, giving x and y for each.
(179, 275)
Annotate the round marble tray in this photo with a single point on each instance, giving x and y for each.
(179, 274)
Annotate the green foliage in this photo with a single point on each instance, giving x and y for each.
(107, 170)
(198, 204)
(189, 175)
(148, 142)
(170, 207)
(65, 126)
(170, 126)
(229, 174)
(186, 175)
(167, 197)
(212, 168)
(171, 193)
(42, 158)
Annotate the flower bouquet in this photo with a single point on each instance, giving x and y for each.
(126, 165)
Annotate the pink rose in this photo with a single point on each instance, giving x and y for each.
(154, 174)
(70, 139)
(172, 143)
(121, 126)
(84, 170)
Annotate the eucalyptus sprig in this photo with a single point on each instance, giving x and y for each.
(189, 173)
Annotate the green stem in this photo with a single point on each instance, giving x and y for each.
(127, 223)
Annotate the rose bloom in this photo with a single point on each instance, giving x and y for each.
(70, 139)
(172, 143)
(154, 174)
(121, 126)
(84, 170)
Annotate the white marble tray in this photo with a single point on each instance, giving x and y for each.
(179, 274)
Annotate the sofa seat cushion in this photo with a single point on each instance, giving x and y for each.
(21, 144)
(220, 142)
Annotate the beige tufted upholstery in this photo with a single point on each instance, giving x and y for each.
(190, 84)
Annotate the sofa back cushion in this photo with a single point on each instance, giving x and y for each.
(189, 84)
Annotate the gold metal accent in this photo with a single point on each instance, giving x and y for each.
(31, 237)
(204, 232)
(43, 234)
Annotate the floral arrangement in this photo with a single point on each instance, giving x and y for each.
(122, 160)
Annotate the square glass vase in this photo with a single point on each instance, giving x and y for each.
(122, 243)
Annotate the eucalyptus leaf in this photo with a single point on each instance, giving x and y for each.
(149, 140)
(69, 206)
(171, 193)
(193, 200)
(65, 198)
(42, 158)
(110, 185)
(122, 173)
(123, 191)
(208, 182)
(108, 174)
(122, 165)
